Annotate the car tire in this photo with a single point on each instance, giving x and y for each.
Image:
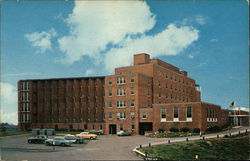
(77, 141)
(47, 143)
(63, 144)
(91, 138)
(29, 141)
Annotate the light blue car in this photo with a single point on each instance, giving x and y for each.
(58, 141)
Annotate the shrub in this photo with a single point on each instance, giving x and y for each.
(174, 129)
(196, 130)
(184, 129)
(160, 130)
(214, 129)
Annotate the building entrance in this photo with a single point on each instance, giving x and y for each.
(145, 126)
(112, 129)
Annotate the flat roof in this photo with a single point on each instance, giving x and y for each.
(69, 78)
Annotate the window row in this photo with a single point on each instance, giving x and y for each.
(25, 117)
(121, 80)
(25, 96)
(132, 127)
(176, 88)
(211, 113)
(25, 86)
(176, 113)
(121, 92)
(175, 97)
(177, 79)
(25, 107)
(121, 103)
(121, 115)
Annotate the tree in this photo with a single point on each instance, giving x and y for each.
(3, 128)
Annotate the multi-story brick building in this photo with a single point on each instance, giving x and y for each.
(65, 103)
(146, 96)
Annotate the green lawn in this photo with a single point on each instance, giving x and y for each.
(10, 133)
(212, 149)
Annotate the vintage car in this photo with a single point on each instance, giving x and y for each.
(58, 141)
(74, 139)
(123, 133)
(37, 139)
(86, 135)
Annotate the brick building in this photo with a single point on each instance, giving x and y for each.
(146, 96)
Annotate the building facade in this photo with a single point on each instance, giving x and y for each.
(146, 96)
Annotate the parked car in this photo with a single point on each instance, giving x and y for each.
(37, 139)
(74, 139)
(123, 133)
(58, 141)
(86, 135)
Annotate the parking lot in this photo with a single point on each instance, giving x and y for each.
(106, 147)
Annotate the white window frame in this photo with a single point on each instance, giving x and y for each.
(132, 91)
(144, 115)
(175, 118)
(132, 103)
(121, 104)
(132, 115)
(161, 112)
(121, 92)
(189, 119)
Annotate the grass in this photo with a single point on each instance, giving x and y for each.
(236, 148)
(11, 133)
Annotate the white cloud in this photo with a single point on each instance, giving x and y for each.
(41, 40)
(89, 72)
(95, 24)
(22, 74)
(213, 40)
(197, 19)
(170, 41)
(190, 56)
(201, 20)
(111, 32)
(8, 103)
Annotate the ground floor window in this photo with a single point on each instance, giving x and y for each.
(132, 127)
(121, 127)
(85, 126)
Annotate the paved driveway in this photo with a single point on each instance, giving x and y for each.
(107, 147)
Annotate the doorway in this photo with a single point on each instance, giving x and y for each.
(145, 126)
(112, 129)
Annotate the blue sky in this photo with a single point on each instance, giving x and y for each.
(52, 39)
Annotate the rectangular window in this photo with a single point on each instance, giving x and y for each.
(93, 127)
(28, 107)
(176, 114)
(132, 103)
(189, 112)
(121, 104)
(163, 114)
(109, 82)
(110, 104)
(100, 127)
(132, 115)
(132, 127)
(121, 92)
(110, 93)
(121, 115)
(120, 80)
(144, 115)
(110, 116)
(121, 127)
(132, 91)
(27, 85)
(132, 79)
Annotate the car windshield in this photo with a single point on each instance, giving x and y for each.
(59, 138)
